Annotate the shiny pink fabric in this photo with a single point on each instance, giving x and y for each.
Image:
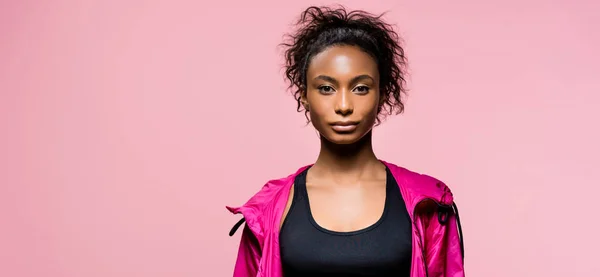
(436, 246)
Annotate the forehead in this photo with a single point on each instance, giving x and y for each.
(342, 61)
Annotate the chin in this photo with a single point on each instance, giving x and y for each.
(343, 139)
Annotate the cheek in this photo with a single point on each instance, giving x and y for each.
(317, 113)
(371, 117)
(318, 106)
(371, 106)
(370, 111)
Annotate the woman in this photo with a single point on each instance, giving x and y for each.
(349, 213)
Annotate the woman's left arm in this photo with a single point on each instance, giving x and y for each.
(444, 251)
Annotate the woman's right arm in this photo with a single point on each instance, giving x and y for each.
(248, 257)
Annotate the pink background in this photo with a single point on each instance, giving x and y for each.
(127, 126)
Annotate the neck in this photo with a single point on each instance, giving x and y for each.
(353, 159)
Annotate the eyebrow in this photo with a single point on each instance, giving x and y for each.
(352, 81)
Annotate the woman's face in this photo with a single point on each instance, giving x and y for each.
(342, 93)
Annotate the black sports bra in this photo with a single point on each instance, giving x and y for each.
(382, 249)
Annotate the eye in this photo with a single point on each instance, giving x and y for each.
(325, 89)
(362, 89)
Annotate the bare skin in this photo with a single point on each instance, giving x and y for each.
(346, 184)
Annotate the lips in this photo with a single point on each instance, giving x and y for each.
(344, 126)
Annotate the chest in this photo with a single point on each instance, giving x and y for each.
(347, 209)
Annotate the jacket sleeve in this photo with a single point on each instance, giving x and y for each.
(249, 253)
(443, 253)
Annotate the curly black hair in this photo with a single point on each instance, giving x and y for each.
(321, 27)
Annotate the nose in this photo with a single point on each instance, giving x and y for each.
(344, 105)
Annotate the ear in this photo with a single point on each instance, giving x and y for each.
(381, 99)
(303, 101)
(381, 102)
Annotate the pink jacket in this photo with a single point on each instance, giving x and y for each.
(437, 238)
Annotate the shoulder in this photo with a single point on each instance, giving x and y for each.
(421, 186)
(269, 193)
(263, 203)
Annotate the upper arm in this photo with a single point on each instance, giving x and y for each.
(249, 254)
(442, 241)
